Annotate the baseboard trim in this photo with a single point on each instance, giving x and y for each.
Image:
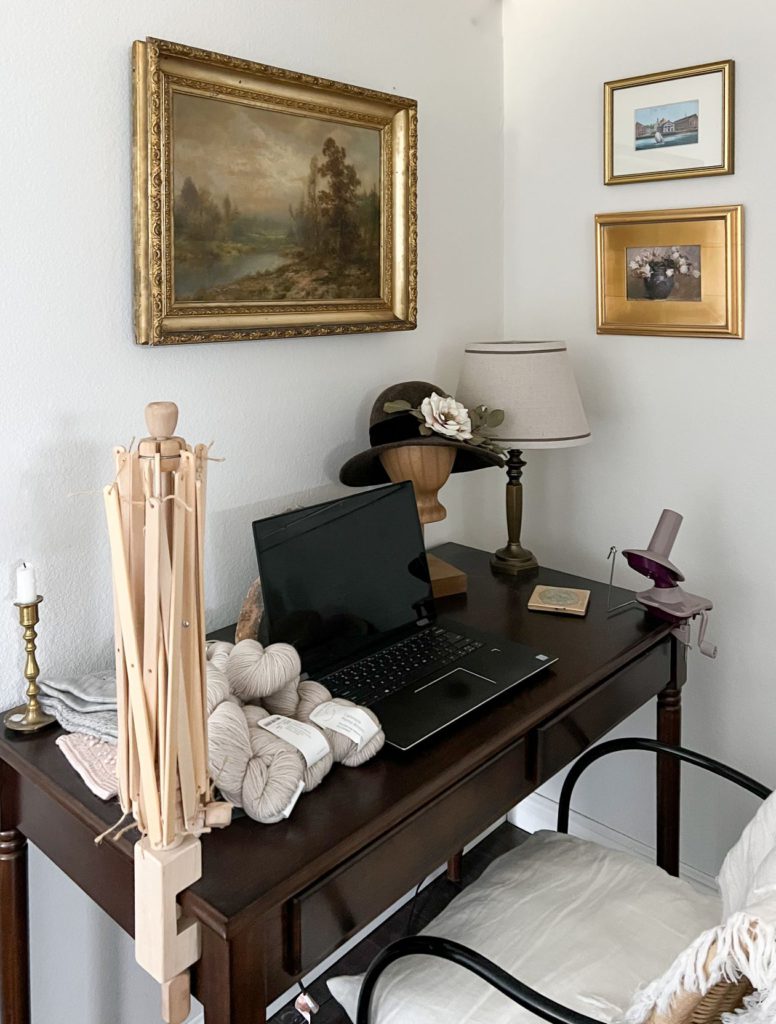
(538, 812)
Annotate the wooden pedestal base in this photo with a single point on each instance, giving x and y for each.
(446, 580)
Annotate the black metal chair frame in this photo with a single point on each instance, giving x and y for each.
(517, 991)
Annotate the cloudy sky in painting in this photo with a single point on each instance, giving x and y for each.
(259, 157)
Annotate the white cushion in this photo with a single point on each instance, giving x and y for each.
(584, 925)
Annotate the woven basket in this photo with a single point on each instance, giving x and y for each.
(723, 998)
(690, 1008)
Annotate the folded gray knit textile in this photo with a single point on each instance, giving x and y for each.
(86, 704)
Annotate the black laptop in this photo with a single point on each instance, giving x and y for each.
(347, 583)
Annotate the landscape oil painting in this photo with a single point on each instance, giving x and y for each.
(268, 203)
(272, 206)
(672, 124)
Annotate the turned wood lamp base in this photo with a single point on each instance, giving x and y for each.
(428, 467)
(513, 558)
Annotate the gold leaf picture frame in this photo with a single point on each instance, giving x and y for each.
(671, 272)
(671, 124)
(268, 203)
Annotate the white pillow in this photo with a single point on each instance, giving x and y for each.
(584, 925)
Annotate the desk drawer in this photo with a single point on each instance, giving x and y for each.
(323, 916)
(562, 739)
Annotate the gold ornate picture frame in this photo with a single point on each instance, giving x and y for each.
(671, 272)
(672, 124)
(268, 203)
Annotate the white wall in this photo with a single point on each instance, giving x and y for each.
(685, 423)
(284, 414)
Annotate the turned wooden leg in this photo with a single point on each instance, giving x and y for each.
(14, 929)
(455, 867)
(669, 730)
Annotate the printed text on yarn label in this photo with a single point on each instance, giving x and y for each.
(354, 723)
(307, 739)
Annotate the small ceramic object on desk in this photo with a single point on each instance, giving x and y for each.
(419, 433)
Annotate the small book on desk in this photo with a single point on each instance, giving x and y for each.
(565, 600)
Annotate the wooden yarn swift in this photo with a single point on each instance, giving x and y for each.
(156, 519)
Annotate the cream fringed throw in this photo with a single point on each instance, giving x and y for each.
(744, 945)
(259, 759)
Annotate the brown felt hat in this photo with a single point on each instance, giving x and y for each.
(399, 429)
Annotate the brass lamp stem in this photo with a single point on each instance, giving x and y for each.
(514, 558)
(29, 717)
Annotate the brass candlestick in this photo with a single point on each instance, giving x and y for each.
(29, 717)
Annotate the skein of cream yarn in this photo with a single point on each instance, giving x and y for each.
(344, 749)
(252, 767)
(269, 675)
(218, 652)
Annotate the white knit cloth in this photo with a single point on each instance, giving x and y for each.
(94, 760)
(744, 944)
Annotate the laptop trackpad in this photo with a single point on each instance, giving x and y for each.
(421, 709)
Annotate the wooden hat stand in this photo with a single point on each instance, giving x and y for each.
(428, 467)
(156, 524)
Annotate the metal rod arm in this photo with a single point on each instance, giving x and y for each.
(656, 747)
(455, 952)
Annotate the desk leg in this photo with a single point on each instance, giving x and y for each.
(669, 730)
(14, 929)
(229, 979)
(455, 868)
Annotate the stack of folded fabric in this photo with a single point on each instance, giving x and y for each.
(85, 705)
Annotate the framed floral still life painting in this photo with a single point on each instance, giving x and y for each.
(671, 272)
(268, 203)
(675, 124)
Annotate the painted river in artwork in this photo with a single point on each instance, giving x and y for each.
(193, 275)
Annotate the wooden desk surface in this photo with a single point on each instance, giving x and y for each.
(251, 869)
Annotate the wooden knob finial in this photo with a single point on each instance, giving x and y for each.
(161, 418)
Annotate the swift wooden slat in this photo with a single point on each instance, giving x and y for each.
(170, 760)
(122, 746)
(192, 668)
(136, 558)
(201, 453)
(165, 595)
(127, 751)
(147, 759)
(152, 614)
(186, 774)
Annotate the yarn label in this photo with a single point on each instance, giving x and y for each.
(310, 743)
(352, 722)
(292, 802)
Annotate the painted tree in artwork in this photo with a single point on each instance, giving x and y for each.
(338, 201)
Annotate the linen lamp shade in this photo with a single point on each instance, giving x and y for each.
(533, 382)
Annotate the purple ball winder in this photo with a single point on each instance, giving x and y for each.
(666, 598)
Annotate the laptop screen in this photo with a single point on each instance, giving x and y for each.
(337, 578)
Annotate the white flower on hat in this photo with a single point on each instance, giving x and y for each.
(447, 417)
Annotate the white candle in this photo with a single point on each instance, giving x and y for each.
(26, 584)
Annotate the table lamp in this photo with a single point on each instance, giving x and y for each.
(533, 382)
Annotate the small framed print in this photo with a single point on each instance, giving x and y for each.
(674, 124)
(671, 272)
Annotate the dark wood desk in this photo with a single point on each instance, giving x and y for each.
(274, 900)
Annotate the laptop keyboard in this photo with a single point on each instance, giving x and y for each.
(388, 670)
